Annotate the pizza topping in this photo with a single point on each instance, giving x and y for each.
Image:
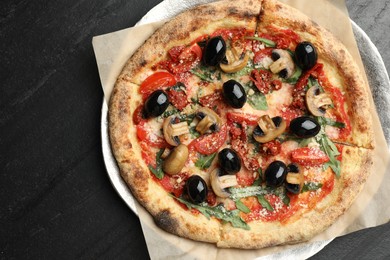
(317, 101)
(209, 121)
(184, 58)
(235, 61)
(266, 42)
(173, 130)
(215, 51)
(229, 161)
(268, 129)
(306, 55)
(304, 127)
(264, 82)
(309, 156)
(196, 189)
(208, 144)
(176, 160)
(234, 93)
(156, 104)
(158, 80)
(294, 179)
(283, 63)
(275, 174)
(220, 182)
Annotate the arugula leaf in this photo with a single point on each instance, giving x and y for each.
(170, 112)
(257, 101)
(294, 77)
(158, 172)
(311, 186)
(205, 161)
(328, 147)
(267, 42)
(305, 142)
(282, 194)
(265, 203)
(219, 212)
(193, 132)
(241, 206)
(330, 122)
(238, 193)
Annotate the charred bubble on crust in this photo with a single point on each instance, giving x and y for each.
(164, 220)
(143, 63)
(233, 10)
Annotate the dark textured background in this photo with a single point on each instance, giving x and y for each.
(56, 200)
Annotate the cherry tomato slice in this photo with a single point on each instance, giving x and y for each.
(208, 144)
(237, 117)
(309, 156)
(158, 80)
(145, 134)
(187, 59)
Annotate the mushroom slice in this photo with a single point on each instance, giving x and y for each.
(220, 183)
(176, 160)
(268, 129)
(235, 61)
(173, 130)
(316, 101)
(283, 63)
(294, 179)
(209, 120)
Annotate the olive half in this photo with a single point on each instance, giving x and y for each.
(215, 51)
(304, 127)
(196, 189)
(275, 174)
(156, 104)
(234, 93)
(229, 161)
(306, 55)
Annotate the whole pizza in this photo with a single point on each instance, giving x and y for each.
(242, 123)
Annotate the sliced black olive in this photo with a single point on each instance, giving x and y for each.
(306, 55)
(275, 174)
(156, 104)
(196, 189)
(215, 51)
(234, 93)
(304, 127)
(229, 161)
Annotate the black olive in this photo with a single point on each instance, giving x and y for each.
(304, 127)
(229, 161)
(215, 51)
(306, 55)
(196, 189)
(234, 93)
(275, 174)
(156, 104)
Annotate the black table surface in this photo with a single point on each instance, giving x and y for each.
(56, 200)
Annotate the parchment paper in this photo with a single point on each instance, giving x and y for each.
(371, 208)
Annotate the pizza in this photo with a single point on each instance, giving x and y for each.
(244, 124)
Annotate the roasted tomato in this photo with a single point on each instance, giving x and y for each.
(145, 134)
(309, 156)
(158, 80)
(184, 59)
(239, 118)
(178, 98)
(208, 144)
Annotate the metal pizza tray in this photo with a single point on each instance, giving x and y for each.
(375, 69)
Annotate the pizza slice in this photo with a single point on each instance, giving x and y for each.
(227, 132)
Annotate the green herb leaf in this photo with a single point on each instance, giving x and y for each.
(267, 42)
(204, 161)
(238, 193)
(257, 101)
(282, 194)
(330, 122)
(311, 186)
(328, 147)
(204, 77)
(241, 206)
(218, 212)
(265, 203)
(158, 172)
(294, 77)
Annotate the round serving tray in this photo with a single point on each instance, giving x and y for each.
(374, 66)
